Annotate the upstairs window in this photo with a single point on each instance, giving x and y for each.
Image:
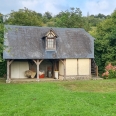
(51, 40)
(50, 43)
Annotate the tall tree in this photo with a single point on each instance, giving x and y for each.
(69, 18)
(46, 17)
(2, 62)
(100, 16)
(105, 43)
(1, 36)
(25, 17)
(72, 19)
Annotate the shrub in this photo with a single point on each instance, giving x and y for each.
(3, 69)
(110, 71)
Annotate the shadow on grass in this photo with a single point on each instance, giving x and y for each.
(102, 86)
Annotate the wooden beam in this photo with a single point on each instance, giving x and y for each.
(8, 74)
(90, 67)
(40, 62)
(10, 62)
(65, 69)
(37, 70)
(7, 69)
(97, 70)
(35, 62)
(77, 68)
(64, 63)
(53, 69)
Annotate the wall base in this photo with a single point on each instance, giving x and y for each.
(8, 81)
(78, 77)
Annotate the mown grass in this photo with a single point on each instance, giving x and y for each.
(65, 98)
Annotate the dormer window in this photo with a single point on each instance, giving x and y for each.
(50, 43)
(51, 40)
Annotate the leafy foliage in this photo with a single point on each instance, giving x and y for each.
(105, 43)
(25, 17)
(71, 19)
(47, 19)
(100, 16)
(1, 36)
(47, 15)
(94, 21)
(3, 69)
(2, 63)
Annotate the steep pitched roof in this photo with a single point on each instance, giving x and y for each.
(26, 42)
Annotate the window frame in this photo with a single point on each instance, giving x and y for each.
(50, 45)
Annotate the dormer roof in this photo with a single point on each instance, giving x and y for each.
(52, 33)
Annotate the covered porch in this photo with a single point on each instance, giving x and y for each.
(16, 69)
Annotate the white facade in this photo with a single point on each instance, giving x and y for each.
(18, 69)
(71, 66)
(84, 67)
(61, 68)
(75, 67)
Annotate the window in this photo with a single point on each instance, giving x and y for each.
(50, 43)
(51, 40)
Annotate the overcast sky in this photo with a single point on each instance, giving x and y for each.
(55, 6)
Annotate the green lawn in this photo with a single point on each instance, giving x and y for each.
(64, 98)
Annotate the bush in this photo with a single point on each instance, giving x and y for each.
(3, 69)
(110, 71)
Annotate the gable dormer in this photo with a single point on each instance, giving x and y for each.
(51, 40)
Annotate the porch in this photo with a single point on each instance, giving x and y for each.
(16, 70)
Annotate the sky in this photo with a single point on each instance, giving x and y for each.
(105, 7)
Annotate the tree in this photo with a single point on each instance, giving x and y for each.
(25, 17)
(1, 36)
(72, 19)
(2, 62)
(48, 15)
(105, 42)
(94, 21)
(100, 16)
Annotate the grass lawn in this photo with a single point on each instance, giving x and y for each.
(65, 98)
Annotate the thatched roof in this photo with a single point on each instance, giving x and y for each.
(26, 42)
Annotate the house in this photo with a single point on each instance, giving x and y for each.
(69, 52)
